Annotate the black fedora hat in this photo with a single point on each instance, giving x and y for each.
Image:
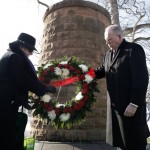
(27, 41)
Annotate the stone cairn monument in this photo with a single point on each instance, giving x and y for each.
(75, 28)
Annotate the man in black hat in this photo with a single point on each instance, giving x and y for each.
(17, 78)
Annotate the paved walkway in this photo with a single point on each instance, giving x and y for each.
(40, 145)
(72, 146)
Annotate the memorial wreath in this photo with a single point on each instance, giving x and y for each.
(61, 72)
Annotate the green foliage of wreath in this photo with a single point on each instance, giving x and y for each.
(72, 112)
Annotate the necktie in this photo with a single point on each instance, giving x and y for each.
(113, 54)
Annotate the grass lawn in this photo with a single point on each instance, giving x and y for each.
(148, 140)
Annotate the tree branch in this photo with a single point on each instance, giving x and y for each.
(141, 38)
(42, 3)
(140, 26)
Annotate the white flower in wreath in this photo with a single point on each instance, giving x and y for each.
(88, 78)
(46, 98)
(84, 68)
(60, 105)
(63, 62)
(58, 71)
(52, 115)
(64, 116)
(79, 96)
(46, 66)
(65, 72)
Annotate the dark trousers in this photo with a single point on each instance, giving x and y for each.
(21, 123)
(7, 132)
(8, 115)
(124, 133)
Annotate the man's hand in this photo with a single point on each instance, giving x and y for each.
(130, 110)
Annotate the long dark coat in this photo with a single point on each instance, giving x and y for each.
(127, 81)
(17, 77)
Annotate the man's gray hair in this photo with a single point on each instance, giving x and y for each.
(116, 29)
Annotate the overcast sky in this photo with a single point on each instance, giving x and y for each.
(18, 16)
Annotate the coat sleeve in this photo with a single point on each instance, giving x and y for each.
(139, 75)
(100, 71)
(22, 79)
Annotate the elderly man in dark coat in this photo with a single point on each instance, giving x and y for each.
(124, 67)
(17, 77)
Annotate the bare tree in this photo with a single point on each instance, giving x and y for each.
(133, 16)
(114, 12)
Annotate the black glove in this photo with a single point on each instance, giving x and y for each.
(51, 89)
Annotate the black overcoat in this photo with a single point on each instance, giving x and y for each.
(127, 80)
(17, 77)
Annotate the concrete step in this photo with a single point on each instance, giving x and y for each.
(40, 145)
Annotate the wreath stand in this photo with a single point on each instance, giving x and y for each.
(47, 123)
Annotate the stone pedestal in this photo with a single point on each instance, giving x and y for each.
(76, 28)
